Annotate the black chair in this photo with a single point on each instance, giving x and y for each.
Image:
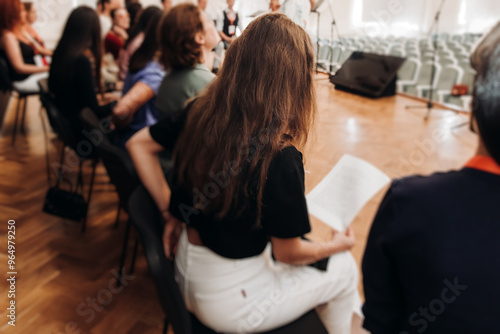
(7, 85)
(147, 220)
(61, 127)
(120, 169)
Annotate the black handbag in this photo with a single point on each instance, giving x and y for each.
(65, 204)
(62, 203)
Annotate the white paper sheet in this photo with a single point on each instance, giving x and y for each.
(339, 197)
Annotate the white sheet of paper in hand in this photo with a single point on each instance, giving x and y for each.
(339, 197)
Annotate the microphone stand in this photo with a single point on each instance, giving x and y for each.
(315, 10)
(333, 25)
(434, 28)
(318, 15)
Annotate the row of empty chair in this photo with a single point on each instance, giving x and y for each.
(451, 54)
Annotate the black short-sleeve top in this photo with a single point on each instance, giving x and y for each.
(284, 209)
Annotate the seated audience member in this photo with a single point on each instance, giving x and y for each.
(75, 72)
(187, 26)
(166, 4)
(242, 138)
(227, 24)
(104, 8)
(137, 108)
(117, 36)
(29, 17)
(431, 262)
(186, 40)
(135, 39)
(134, 11)
(16, 49)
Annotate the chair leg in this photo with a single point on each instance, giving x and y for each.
(14, 132)
(94, 166)
(24, 115)
(46, 142)
(118, 215)
(124, 253)
(134, 254)
(165, 326)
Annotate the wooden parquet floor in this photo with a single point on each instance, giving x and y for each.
(62, 272)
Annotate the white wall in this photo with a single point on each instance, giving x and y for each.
(353, 17)
(407, 17)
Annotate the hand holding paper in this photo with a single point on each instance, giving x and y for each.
(339, 197)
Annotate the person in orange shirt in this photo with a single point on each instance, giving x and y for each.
(431, 260)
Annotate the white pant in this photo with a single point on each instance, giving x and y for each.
(30, 84)
(257, 294)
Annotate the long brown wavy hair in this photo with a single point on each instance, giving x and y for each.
(262, 101)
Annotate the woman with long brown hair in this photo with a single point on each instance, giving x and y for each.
(238, 192)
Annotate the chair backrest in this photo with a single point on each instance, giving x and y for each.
(381, 50)
(344, 56)
(413, 54)
(58, 122)
(147, 220)
(469, 79)
(5, 82)
(457, 38)
(428, 56)
(409, 70)
(448, 77)
(325, 51)
(117, 161)
(336, 54)
(424, 75)
(445, 61)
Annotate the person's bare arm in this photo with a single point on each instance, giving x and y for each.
(44, 51)
(144, 151)
(131, 102)
(297, 251)
(13, 52)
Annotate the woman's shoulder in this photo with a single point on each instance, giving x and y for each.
(151, 69)
(202, 72)
(7, 35)
(154, 65)
(288, 158)
(289, 152)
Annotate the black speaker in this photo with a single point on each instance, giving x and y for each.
(368, 74)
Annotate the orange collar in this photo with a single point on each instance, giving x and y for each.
(485, 164)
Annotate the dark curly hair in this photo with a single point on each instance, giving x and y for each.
(177, 33)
